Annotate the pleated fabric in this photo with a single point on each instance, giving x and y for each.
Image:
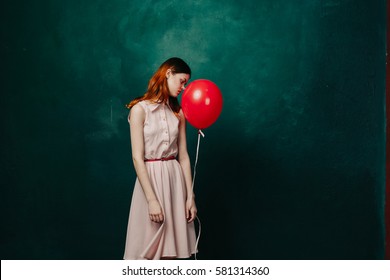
(174, 238)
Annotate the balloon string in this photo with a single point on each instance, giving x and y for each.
(196, 157)
(197, 239)
(193, 183)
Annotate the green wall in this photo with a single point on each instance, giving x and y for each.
(292, 169)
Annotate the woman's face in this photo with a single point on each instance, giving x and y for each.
(176, 82)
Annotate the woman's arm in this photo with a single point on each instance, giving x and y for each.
(184, 161)
(137, 119)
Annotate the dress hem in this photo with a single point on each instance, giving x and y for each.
(165, 256)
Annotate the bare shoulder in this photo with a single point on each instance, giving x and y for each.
(181, 114)
(182, 118)
(137, 113)
(137, 109)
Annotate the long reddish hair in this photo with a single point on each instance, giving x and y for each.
(158, 91)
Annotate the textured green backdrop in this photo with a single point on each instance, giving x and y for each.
(292, 169)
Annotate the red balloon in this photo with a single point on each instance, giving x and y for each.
(201, 103)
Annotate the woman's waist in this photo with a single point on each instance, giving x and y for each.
(160, 158)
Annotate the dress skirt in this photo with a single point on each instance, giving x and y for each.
(174, 237)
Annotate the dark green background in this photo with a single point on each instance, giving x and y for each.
(292, 169)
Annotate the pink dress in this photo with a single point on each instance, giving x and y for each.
(174, 237)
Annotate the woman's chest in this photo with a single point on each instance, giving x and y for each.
(162, 124)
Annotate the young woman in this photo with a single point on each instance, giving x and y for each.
(163, 204)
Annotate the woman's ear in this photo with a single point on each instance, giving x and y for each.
(168, 73)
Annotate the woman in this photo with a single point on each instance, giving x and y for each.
(163, 205)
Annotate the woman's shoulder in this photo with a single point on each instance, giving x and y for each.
(146, 103)
(141, 103)
(137, 112)
(138, 108)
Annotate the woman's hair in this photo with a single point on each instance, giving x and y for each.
(158, 87)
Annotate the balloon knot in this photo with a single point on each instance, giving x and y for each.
(201, 132)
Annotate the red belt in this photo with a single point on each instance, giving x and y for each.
(161, 159)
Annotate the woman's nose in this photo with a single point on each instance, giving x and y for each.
(183, 87)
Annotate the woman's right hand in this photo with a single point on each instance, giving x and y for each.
(155, 212)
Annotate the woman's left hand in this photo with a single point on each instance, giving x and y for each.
(191, 209)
